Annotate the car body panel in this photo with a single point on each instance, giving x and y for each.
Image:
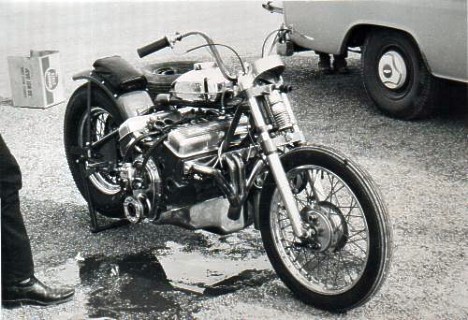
(439, 27)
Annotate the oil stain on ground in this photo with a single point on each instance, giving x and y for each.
(137, 284)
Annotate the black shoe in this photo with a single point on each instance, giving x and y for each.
(324, 65)
(34, 292)
(340, 66)
(325, 69)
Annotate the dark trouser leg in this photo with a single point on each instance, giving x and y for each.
(17, 262)
(339, 63)
(324, 62)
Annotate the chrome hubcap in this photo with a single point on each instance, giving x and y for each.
(392, 70)
(326, 225)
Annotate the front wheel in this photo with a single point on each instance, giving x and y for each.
(345, 257)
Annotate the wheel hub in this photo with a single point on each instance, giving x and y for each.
(392, 70)
(327, 227)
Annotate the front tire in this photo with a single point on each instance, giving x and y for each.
(345, 259)
(395, 75)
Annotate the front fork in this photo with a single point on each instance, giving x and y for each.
(277, 170)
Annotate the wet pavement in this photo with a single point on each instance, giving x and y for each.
(164, 281)
(140, 271)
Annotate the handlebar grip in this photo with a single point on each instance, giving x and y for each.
(153, 47)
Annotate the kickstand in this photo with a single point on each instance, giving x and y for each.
(85, 154)
(95, 227)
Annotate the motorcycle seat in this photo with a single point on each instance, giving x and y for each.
(120, 74)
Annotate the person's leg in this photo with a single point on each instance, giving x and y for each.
(17, 261)
(324, 62)
(339, 64)
(10, 174)
(18, 282)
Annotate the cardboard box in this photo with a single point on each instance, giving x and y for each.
(36, 81)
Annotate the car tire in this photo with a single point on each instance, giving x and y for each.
(160, 76)
(395, 76)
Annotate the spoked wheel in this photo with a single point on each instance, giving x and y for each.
(344, 258)
(102, 123)
(105, 190)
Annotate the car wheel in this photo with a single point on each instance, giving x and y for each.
(161, 75)
(396, 77)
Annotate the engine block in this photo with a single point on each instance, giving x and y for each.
(198, 139)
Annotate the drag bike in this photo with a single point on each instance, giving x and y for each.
(220, 151)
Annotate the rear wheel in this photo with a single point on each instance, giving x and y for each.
(105, 190)
(395, 75)
(345, 257)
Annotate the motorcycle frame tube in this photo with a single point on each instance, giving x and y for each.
(276, 167)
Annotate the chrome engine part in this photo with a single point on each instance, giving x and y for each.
(209, 215)
(134, 209)
(197, 139)
(135, 127)
(143, 189)
(203, 84)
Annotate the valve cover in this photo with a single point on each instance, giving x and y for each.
(197, 139)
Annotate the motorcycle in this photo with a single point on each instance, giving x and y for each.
(219, 151)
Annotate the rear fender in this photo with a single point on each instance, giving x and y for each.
(130, 104)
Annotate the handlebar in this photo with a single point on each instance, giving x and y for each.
(153, 47)
(270, 6)
(168, 41)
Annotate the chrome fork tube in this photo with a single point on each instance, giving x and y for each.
(277, 169)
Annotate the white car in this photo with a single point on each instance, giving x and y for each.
(407, 44)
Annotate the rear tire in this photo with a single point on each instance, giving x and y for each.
(353, 235)
(395, 76)
(105, 191)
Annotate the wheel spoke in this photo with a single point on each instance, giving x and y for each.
(101, 122)
(336, 272)
(359, 247)
(329, 270)
(357, 233)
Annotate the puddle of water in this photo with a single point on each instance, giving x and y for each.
(191, 268)
(166, 282)
(134, 283)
